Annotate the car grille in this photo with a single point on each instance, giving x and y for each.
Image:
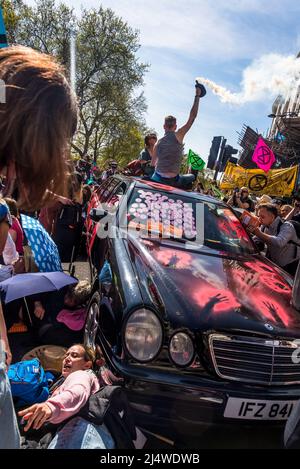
(255, 360)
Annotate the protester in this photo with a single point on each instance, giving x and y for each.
(10, 254)
(264, 199)
(68, 397)
(112, 169)
(66, 327)
(241, 199)
(69, 223)
(278, 203)
(16, 231)
(200, 188)
(148, 151)
(168, 151)
(9, 433)
(285, 211)
(295, 212)
(49, 212)
(280, 237)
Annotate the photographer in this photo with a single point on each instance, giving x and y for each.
(241, 199)
(112, 169)
(279, 236)
(84, 167)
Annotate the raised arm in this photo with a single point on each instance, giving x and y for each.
(180, 134)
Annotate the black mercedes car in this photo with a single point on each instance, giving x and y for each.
(196, 321)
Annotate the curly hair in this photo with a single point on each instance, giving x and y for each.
(37, 121)
(80, 292)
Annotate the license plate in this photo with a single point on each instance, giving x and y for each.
(252, 409)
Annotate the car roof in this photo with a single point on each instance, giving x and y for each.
(146, 185)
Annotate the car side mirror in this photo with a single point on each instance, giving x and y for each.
(96, 214)
(296, 289)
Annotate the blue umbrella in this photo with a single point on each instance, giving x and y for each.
(22, 285)
(43, 247)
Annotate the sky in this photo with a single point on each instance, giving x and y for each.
(215, 39)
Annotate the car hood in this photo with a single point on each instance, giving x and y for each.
(208, 290)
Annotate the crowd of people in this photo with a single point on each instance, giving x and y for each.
(37, 122)
(40, 179)
(277, 227)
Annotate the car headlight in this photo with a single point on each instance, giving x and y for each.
(181, 349)
(143, 335)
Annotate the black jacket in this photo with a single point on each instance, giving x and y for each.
(111, 407)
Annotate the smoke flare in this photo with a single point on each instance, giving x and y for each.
(269, 76)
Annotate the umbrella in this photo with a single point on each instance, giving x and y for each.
(43, 247)
(22, 285)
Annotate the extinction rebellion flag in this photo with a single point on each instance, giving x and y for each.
(195, 161)
(263, 156)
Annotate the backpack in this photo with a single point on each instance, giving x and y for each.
(110, 406)
(28, 382)
(69, 215)
(296, 225)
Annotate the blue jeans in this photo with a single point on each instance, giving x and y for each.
(9, 431)
(180, 181)
(81, 434)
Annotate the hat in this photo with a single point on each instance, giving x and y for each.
(113, 163)
(50, 356)
(264, 199)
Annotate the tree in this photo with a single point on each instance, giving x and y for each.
(9, 16)
(108, 72)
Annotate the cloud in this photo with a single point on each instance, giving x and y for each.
(212, 38)
(271, 75)
(209, 29)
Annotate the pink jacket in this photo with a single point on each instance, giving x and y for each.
(68, 398)
(73, 319)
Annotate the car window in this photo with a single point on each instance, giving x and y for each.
(102, 188)
(108, 190)
(183, 219)
(116, 196)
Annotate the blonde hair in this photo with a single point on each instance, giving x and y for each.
(80, 292)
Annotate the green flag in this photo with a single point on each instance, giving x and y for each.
(195, 161)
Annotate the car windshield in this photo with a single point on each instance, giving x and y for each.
(153, 214)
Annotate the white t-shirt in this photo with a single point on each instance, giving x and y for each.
(10, 254)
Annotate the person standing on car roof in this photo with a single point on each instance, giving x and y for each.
(168, 151)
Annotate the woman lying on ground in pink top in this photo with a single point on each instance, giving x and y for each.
(71, 395)
(68, 398)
